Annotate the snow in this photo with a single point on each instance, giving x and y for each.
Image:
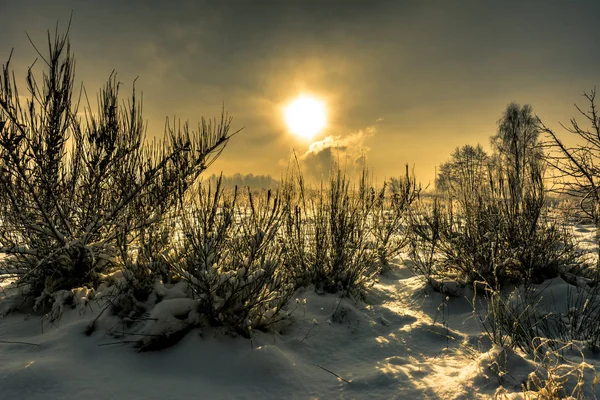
(404, 341)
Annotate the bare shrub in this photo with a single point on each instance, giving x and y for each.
(496, 230)
(305, 229)
(231, 258)
(351, 262)
(559, 378)
(523, 316)
(511, 319)
(489, 239)
(72, 188)
(328, 234)
(424, 238)
(389, 216)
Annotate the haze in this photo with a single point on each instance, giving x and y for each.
(404, 82)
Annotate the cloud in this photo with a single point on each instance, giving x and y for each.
(348, 152)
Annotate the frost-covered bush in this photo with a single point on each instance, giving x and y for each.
(143, 256)
(328, 239)
(425, 224)
(230, 255)
(389, 216)
(74, 190)
(351, 263)
(553, 313)
(305, 229)
(496, 228)
(491, 236)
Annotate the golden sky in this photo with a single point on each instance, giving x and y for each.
(404, 81)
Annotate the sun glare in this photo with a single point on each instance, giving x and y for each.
(305, 116)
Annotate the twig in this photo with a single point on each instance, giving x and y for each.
(332, 373)
(93, 323)
(139, 334)
(308, 333)
(17, 342)
(119, 342)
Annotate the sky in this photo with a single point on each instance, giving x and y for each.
(405, 82)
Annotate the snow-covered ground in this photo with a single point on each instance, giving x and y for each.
(403, 342)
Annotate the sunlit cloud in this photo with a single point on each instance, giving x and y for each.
(348, 152)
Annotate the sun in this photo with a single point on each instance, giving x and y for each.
(305, 116)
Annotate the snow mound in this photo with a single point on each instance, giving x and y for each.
(404, 342)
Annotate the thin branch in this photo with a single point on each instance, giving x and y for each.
(333, 373)
(18, 342)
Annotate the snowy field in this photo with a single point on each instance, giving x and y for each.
(404, 342)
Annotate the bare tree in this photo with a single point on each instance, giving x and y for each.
(577, 166)
(467, 168)
(518, 150)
